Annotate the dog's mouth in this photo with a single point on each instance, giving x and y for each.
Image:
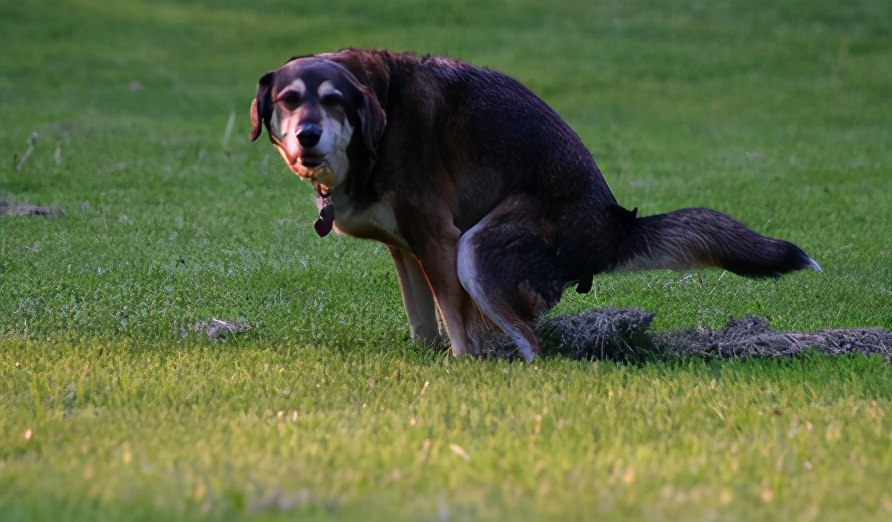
(311, 161)
(313, 167)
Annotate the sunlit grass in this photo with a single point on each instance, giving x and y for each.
(247, 429)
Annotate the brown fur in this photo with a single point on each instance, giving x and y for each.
(491, 205)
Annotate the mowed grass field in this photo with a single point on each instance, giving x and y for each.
(112, 407)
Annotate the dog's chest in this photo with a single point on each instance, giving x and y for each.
(374, 221)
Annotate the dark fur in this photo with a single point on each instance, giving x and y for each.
(449, 146)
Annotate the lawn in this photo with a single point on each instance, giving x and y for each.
(113, 406)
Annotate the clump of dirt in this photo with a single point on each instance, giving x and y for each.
(604, 333)
(25, 209)
(600, 333)
(624, 335)
(218, 329)
(752, 337)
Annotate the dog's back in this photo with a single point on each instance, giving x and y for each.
(478, 130)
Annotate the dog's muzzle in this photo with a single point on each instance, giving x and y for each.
(309, 135)
(311, 161)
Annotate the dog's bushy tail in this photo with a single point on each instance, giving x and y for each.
(701, 237)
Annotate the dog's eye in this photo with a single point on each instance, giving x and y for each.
(290, 100)
(332, 98)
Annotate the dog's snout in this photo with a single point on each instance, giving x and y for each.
(309, 135)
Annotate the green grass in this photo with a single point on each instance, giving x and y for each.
(111, 408)
(129, 430)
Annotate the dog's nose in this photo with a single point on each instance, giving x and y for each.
(309, 135)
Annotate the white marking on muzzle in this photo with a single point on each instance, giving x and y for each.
(336, 159)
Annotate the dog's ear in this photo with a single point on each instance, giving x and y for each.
(261, 107)
(373, 120)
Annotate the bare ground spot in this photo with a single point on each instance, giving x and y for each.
(624, 335)
(218, 329)
(8, 208)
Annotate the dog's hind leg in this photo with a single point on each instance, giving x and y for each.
(417, 297)
(512, 274)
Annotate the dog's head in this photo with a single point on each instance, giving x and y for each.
(314, 110)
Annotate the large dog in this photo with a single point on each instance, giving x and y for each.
(489, 203)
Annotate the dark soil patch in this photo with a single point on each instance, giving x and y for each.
(25, 209)
(624, 335)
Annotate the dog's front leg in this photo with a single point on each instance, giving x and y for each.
(438, 261)
(417, 297)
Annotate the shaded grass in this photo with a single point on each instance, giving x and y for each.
(774, 112)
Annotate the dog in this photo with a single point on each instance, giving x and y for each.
(489, 203)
